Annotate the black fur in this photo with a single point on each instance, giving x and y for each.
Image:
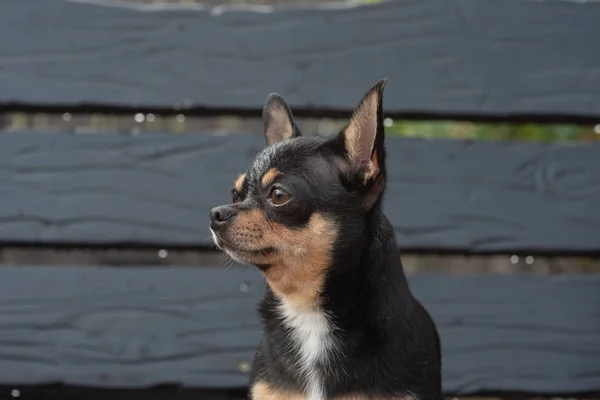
(389, 344)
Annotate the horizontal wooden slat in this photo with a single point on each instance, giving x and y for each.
(139, 327)
(498, 59)
(66, 392)
(157, 189)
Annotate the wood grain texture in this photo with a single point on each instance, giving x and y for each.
(139, 327)
(459, 57)
(157, 189)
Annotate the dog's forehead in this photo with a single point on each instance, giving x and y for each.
(283, 156)
(268, 157)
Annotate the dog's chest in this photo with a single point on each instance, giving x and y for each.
(311, 334)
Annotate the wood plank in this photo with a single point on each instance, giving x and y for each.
(65, 392)
(496, 59)
(157, 189)
(143, 326)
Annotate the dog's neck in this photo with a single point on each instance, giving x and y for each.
(355, 300)
(368, 272)
(359, 267)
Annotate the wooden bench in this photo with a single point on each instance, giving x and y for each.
(109, 285)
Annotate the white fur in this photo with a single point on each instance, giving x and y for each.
(312, 333)
(229, 253)
(214, 237)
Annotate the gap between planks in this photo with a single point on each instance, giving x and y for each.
(413, 263)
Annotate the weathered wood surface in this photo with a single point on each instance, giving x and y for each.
(158, 189)
(453, 58)
(138, 327)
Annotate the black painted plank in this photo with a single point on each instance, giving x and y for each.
(66, 392)
(483, 58)
(157, 189)
(138, 327)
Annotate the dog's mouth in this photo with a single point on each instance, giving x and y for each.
(261, 252)
(238, 251)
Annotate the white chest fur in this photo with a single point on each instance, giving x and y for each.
(312, 334)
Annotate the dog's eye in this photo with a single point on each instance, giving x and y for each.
(279, 197)
(235, 196)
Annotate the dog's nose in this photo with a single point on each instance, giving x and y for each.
(221, 214)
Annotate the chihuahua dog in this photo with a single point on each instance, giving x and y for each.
(339, 319)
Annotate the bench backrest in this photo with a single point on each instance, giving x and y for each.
(467, 214)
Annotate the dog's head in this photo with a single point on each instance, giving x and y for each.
(304, 199)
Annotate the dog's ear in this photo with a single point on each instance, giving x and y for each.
(363, 140)
(278, 120)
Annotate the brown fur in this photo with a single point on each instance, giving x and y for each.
(269, 177)
(298, 266)
(239, 182)
(264, 391)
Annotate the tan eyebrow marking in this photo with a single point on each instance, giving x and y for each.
(239, 182)
(269, 177)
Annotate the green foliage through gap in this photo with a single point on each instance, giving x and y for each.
(493, 131)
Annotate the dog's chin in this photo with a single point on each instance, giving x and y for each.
(215, 239)
(254, 257)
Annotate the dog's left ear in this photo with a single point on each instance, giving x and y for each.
(363, 140)
(278, 120)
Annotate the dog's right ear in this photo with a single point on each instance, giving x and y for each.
(278, 120)
(362, 141)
